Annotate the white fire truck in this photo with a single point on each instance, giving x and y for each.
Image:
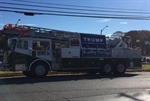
(35, 51)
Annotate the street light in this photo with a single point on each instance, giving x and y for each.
(103, 29)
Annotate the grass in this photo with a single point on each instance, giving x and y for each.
(145, 68)
(10, 73)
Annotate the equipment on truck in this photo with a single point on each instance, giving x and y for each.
(37, 50)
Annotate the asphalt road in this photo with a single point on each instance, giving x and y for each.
(130, 87)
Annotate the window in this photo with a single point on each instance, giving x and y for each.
(22, 44)
(41, 45)
(11, 44)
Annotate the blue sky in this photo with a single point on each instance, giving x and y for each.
(85, 25)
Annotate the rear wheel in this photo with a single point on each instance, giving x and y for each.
(106, 68)
(120, 68)
(39, 69)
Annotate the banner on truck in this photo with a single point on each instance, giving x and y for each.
(93, 41)
(91, 53)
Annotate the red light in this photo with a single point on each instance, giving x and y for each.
(9, 25)
(23, 35)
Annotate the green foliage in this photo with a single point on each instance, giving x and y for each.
(141, 39)
(3, 41)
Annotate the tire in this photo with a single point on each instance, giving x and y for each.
(106, 68)
(39, 69)
(27, 73)
(120, 68)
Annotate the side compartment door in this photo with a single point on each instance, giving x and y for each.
(70, 58)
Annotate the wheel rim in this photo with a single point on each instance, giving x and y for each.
(107, 68)
(40, 70)
(121, 68)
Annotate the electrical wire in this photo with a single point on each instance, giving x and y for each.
(69, 13)
(67, 8)
(87, 16)
(54, 11)
(35, 2)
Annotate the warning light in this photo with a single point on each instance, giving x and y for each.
(23, 35)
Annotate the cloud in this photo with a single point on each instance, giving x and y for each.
(105, 20)
(123, 23)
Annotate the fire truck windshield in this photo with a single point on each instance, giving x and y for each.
(11, 44)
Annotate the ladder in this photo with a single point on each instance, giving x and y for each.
(38, 32)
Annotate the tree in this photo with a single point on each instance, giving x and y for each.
(3, 41)
(140, 39)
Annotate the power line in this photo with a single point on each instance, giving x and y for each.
(69, 13)
(66, 8)
(87, 16)
(66, 12)
(73, 5)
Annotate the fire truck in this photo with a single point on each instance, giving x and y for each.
(36, 50)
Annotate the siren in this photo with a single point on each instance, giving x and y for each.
(9, 25)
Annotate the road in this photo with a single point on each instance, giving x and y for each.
(134, 86)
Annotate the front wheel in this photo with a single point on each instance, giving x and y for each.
(120, 68)
(39, 69)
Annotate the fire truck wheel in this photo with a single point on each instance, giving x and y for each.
(27, 73)
(120, 68)
(106, 68)
(39, 69)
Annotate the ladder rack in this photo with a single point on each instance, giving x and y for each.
(38, 32)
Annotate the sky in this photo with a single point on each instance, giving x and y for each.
(82, 24)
